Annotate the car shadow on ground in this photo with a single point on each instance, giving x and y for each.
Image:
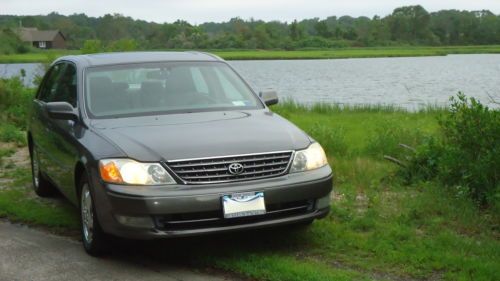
(195, 251)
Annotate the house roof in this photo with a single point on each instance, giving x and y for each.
(33, 34)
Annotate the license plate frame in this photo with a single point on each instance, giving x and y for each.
(237, 205)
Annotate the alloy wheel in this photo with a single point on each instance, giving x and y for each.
(36, 168)
(87, 214)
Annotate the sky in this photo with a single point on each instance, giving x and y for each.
(199, 11)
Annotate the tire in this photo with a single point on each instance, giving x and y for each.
(95, 241)
(41, 185)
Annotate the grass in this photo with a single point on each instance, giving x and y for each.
(361, 52)
(11, 133)
(5, 152)
(38, 57)
(378, 229)
(340, 53)
(20, 204)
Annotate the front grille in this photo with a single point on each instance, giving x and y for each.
(216, 169)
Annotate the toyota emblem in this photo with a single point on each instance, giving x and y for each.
(236, 168)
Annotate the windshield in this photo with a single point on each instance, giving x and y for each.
(174, 87)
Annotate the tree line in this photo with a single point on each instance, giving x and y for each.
(409, 25)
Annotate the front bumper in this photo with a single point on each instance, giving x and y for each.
(185, 210)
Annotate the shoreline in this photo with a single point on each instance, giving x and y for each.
(341, 53)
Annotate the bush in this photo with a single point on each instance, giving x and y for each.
(11, 44)
(15, 100)
(467, 153)
(92, 46)
(96, 46)
(385, 140)
(123, 45)
(10, 133)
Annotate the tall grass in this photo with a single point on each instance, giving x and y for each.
(291, 106)
(362, 130)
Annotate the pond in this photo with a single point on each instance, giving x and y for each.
(411, 83)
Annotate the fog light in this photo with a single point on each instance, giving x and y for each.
(323, 202)
(139, 222)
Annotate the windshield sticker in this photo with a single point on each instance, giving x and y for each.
(239, 103)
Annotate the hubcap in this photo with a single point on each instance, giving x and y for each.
(87, 214)
(36, 168)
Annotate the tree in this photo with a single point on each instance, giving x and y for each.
(406, 25)
(296, 32)
(410, 24)
(322, 29)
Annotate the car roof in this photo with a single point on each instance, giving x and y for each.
(137, 57)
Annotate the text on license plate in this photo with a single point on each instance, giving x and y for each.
(243, 204)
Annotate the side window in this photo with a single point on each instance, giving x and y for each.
(50, 83)
(66, 86)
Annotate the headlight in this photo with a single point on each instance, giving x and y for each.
(309, 159)
(128, 171)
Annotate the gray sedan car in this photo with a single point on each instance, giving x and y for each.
(166, 144)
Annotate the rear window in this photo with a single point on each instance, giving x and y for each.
(173, 87)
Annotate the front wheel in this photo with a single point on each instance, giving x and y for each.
(93, 237)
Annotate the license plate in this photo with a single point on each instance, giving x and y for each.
(243, 204)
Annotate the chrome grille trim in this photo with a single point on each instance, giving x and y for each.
(215, 169)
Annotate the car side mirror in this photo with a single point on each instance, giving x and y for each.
(269, 97)
(61, 110)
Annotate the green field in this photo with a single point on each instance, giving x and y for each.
(342, 53)
(379, 227)
(298, 54)
(41, 56)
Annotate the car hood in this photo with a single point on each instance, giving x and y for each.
(202, 134)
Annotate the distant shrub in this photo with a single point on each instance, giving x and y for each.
(467, 153)
(123, 45)
(96, 46)
(92, 46)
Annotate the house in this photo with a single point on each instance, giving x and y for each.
(43, 39)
